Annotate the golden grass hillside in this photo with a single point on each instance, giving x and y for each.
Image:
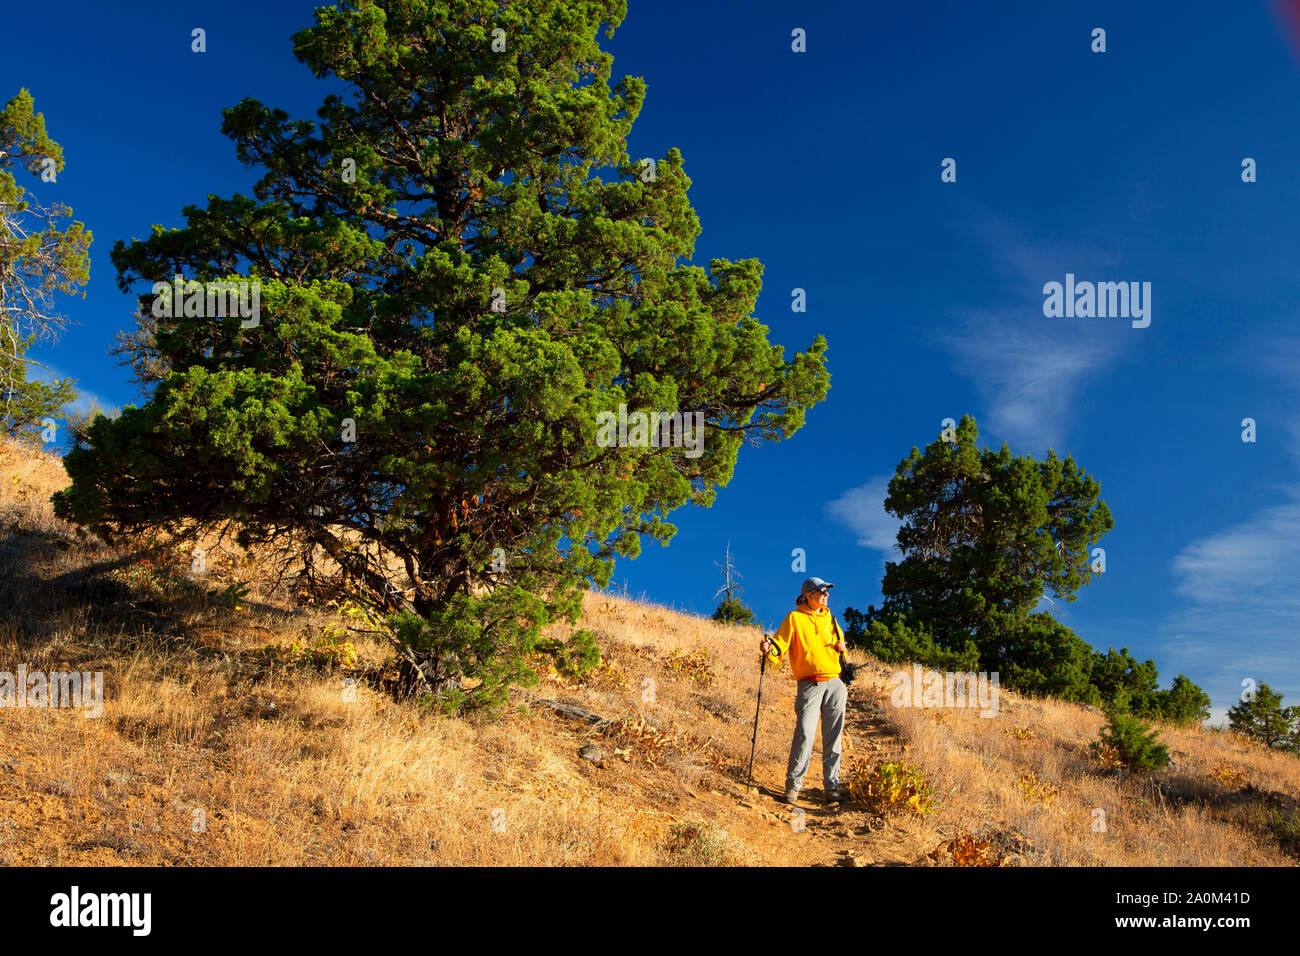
(239, 729)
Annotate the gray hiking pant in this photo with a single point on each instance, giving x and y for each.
(815, 699)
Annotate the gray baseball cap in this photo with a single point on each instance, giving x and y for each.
(814, 584)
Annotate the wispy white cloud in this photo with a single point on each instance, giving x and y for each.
(1250, 565)
(1029, 259)
(1224, 644)
(1242, 618)
(862, 510)
(1029, 371)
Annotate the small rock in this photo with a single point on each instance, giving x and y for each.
(591, 752)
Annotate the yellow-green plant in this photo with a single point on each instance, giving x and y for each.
(325, 651)
(1035, 790)
(693, 666)
(891, 785)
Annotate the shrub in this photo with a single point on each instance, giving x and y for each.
(968, 851)
(901, 641)
(326, 651)
(1284, 825)
(231, 595)
(474, 648)
(1230, 777)
(733, 611)
(1184, 703)
(1043, 657)
(1121, 682)
(1035, 790)
(892, 785)
(1262, 717)
(1134, 743)
(1106, 755)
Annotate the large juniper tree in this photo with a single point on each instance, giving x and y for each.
(460, 267)
(984, 536)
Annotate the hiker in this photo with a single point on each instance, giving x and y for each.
(815, 642)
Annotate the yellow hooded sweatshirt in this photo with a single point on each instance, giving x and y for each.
(810, 638)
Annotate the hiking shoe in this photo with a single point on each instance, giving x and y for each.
(791, 796)
(837, 796)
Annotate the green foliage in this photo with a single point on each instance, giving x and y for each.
(1118, 674)
(984, 535)
(475, 647)
(232, 594)
(470, 304)
(326, 652)
(39, 260)
(1047, 658)
(1184, 703)
(1262, 717)
(1284, 825)
(574, 657)
(1137, 746)
(25, 404)
(361, 615)
(733, 611)
(890, 785)
(902, 641)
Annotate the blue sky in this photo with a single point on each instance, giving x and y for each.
(825, 165)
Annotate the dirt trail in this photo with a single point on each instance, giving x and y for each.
(847, 835)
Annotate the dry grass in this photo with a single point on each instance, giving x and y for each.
(1026, 774)
(211, 751)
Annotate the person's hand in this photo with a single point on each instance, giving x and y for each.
(764, 645)
(841, 647)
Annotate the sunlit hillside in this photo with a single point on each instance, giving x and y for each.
(238, 729)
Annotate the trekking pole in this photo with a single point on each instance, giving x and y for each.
(753, 743)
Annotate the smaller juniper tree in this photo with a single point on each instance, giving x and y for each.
(1135, 743)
